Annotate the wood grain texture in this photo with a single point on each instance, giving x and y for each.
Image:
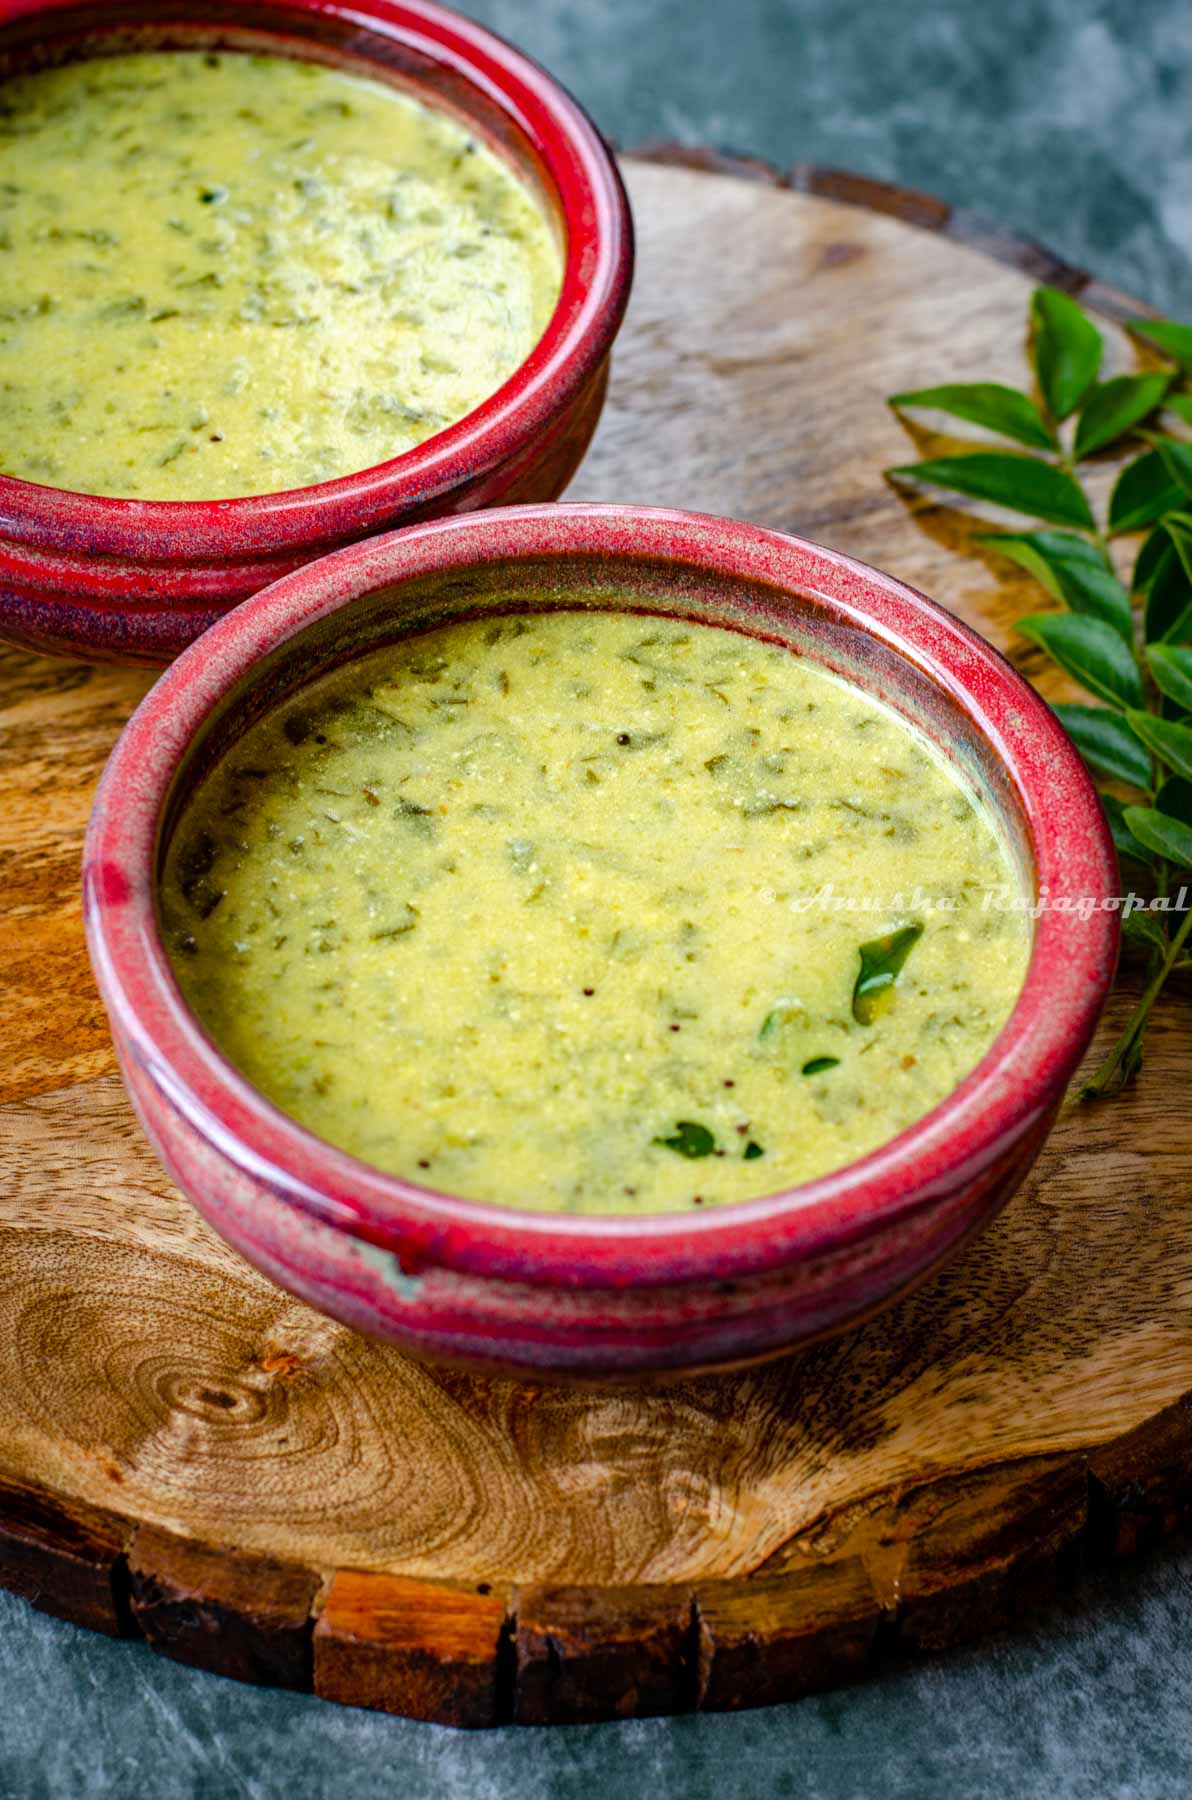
(187, 1452)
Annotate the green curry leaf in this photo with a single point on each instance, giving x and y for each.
(1178, 526)
(1116, 407)
(1136, 735)
(1176, 458)
(1067, 350)
(1089, 650)
(1155, 547)
(1142, 493)
(1128, 847)
(987, 403)
(1025, 484)
(1167, 615)
(1172, 339)
(1145, 928)
(690, 1139)
(882, 961)
(1167, 837)
(1107, 743)
(1172, 668)
(1073, 569)
(1170, 739)
(1175, 799)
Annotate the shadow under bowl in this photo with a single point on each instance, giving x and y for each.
(542, 1293)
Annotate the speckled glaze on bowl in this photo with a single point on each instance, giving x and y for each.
(136, 581)
(543, 1293)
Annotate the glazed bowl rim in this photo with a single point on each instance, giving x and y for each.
(577, 167)
(1012, 1091)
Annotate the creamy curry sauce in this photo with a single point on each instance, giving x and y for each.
(228, 274)
(519, 909)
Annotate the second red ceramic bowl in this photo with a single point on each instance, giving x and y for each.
(538, 1292)
(136, 581)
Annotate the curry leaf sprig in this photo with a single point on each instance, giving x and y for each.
(1128, 645)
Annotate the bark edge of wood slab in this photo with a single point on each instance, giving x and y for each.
(495, 1653)
(911, 206)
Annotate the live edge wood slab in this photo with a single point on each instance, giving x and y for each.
(187, 1454)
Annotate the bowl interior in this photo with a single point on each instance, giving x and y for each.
(523, 117)
(343, 40)
(389, 612)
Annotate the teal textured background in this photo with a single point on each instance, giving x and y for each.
(1092, 1703)
(1068, 120)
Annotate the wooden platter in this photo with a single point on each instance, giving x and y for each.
(187, 1453)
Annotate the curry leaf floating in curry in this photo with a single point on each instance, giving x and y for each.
(882, 962)
(689, 1139)
(1129, 646)
(786, 1013)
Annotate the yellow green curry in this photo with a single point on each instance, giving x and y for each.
(593, 912)
(229, 274)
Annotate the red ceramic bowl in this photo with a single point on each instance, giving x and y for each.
(136, 581)
(539, 1292)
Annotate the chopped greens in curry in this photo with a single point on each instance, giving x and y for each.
(224, 274)
(538, 909)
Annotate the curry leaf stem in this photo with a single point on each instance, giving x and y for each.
(1114, 1070)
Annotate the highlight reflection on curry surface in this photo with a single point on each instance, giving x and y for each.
(518, 909)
